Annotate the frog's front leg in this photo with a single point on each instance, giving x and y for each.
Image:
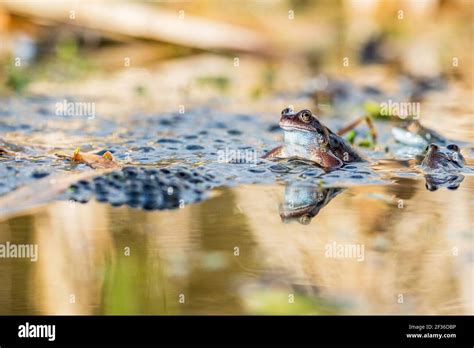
(325, 158)
(277, 152)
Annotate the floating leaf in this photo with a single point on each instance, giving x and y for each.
(95, 161)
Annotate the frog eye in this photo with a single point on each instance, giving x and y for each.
(453, 147)
(305, 116)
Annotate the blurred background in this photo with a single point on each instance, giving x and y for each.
(160, 55)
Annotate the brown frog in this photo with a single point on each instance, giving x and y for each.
(440, 159)
(307, 138)
(442, 166)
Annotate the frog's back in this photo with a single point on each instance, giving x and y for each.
(342, 149)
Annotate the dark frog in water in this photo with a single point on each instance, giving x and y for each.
(439, 159)
(442, 166)
(307, 138)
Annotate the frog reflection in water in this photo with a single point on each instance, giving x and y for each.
(307, 138)
(303, 202)
(442, 167)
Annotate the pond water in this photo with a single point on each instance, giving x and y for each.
(259, 237)
(232, 254)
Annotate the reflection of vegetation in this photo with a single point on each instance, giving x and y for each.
(122, 284)
(135, 284)
(300, 4)
(214, 283)
(281, 302)
(15, 276)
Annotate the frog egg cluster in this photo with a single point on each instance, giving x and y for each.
(150, 189)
